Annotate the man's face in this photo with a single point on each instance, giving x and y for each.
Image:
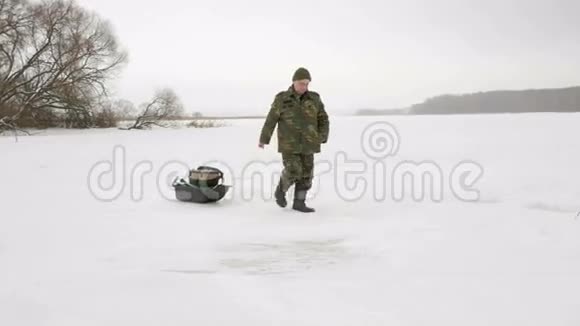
(301, 86)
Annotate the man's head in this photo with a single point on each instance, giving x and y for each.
(300, 80)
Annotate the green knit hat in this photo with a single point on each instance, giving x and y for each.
(300, 74)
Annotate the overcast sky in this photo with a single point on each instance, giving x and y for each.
(229, 57)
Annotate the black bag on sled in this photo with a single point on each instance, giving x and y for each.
(203, 185)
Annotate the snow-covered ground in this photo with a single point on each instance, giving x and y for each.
(126, 253)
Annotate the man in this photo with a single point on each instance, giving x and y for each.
(302, 126)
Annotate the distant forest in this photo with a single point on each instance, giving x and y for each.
(535, 100)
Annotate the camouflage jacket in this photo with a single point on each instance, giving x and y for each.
(302, 122)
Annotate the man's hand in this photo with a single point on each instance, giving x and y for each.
(261, 145)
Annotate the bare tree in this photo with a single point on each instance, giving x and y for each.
(105, 115)
(125, 109)
(164, 105)
(56, 57)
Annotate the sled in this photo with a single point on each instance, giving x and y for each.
(204, 185)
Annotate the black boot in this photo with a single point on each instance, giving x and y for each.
(300, 201)
(280, 196)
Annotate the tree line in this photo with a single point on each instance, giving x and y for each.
(523, 101)
(534, 100)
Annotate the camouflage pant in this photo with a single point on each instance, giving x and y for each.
(298, 170)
